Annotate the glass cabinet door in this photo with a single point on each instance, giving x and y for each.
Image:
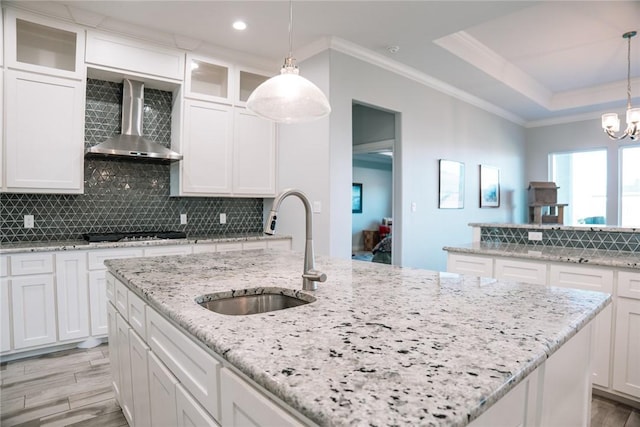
(208, 80)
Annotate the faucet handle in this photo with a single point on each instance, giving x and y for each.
(315, 276)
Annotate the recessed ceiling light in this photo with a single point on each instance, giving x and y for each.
(240, 25)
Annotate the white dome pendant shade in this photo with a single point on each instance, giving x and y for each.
(289, 98)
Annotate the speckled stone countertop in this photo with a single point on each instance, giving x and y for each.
(67, 245)
(618, 259)
(381, 345)
(584, 227)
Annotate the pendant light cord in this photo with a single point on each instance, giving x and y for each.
(290, 28)
(629, 72)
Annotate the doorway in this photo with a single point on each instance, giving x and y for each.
(374, 144)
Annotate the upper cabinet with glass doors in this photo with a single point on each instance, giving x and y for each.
(248, 80)
(208, 80)
(36, 44)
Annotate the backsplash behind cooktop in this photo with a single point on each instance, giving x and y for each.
(123, 195)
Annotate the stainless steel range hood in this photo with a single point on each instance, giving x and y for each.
(131, 144)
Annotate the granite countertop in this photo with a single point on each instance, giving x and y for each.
(583, 227)
(599, 257)
(381, 345)
(66, 245)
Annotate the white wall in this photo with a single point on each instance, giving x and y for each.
(377, 189)
(576, 136)
(317, 157)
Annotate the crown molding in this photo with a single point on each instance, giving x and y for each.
(374, 58)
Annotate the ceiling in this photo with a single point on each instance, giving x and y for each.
(534, 62)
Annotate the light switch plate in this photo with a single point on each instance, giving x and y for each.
(183, 219)
(223, 218)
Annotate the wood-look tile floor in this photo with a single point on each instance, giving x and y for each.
(72, 388)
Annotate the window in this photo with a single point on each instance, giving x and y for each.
(582, 178)
(629, 186)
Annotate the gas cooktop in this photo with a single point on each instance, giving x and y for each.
(132, 235)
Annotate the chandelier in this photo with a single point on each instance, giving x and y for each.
(289, 97)
(610, 121)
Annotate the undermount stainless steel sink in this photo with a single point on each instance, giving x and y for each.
(253, 303)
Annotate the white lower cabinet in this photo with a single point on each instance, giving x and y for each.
(244, 406)
(98, 303)
(162, 393)
(33, 305)
(189, 412)
(138, 351)
(72, 290)
(112, 321)
(124, 363)
(5, 316)
(592, 279)
(626, 354)
(471, 265)
(521, 271)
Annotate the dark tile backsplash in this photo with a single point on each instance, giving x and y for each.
(582, 239)
(123, 195)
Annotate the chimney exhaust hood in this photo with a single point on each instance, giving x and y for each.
(130, 144)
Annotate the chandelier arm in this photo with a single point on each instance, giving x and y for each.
(613, 135)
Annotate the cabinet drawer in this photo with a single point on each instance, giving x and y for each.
(629, 284)
(121, 299)
(521, 271)
(241, 404)
(137, 318)
(99, 256)
(196, 369)
(168, 250)
(23, 264)
(472, 265)
(581, 277)
(130, 55)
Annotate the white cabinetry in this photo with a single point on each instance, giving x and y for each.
(47, 157)
(32, 300)
(594, 279)
(521, 271)
(248, 80)
(228, 151)
(243, 405)
(162, 393)
(207, 147)
(131, 55)
(72, 291)
(189, 413)
(5, 316)
(471, 265)
(626, 354)
(39, 45)
(112, 319)
(254, 155)
(124, 363)
(140, 380)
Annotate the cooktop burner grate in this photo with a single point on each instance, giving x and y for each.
(134, 235)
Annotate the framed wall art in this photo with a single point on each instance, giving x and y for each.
(489, 187)
(356, 198)
(451, 187)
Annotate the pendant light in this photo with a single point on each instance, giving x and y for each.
(289, 97)
(610, 121)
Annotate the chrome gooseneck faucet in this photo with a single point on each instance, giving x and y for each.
(310, 276)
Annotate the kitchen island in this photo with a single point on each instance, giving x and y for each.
(380, 345)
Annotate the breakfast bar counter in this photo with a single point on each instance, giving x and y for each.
(380, 345)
